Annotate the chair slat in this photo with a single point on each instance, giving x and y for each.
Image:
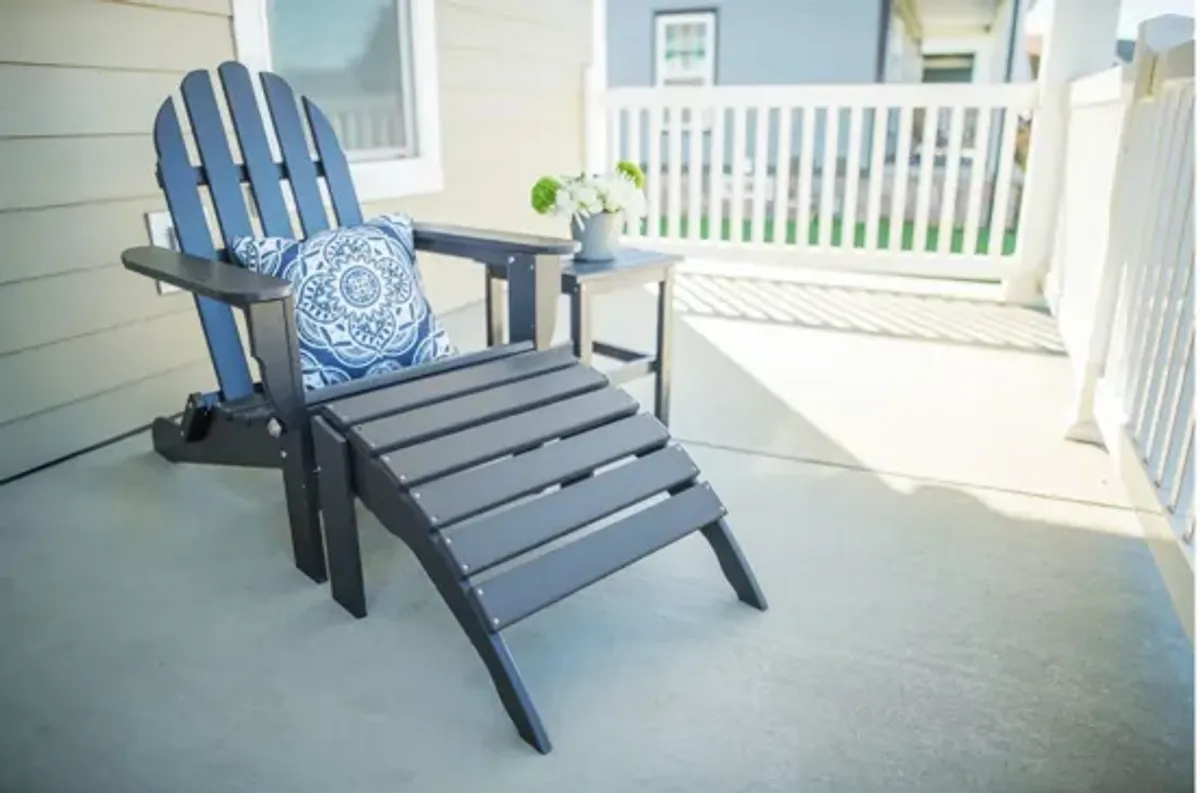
(477, 490)
(530, 587)
(496, 537)
(419, 425)
(337, 170)
(191, 229)
(447, 385)
(302, 173)
(224, 182)
(260, 165)
(414, 465)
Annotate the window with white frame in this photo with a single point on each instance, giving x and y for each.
(371, 66)
(685, 44)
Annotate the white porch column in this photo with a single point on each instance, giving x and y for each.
(595, 131)
(1081, 39)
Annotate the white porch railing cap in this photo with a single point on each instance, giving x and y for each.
(1011, 95)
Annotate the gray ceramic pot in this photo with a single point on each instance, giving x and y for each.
(599, 236)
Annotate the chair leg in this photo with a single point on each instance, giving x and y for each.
(273, 342)
(341, 527)
(493, 651)
(733, 564)
(304, 514)
(500, 665)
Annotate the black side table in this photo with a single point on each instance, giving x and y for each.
(582, 281)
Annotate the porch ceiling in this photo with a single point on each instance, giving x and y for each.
(956, 17)
(959, 601)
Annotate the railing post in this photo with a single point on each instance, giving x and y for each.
(1081, 39)
(1081, 416)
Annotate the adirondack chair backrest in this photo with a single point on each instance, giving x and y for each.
(224, 176)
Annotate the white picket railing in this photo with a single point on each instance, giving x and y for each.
(918, 179)
(1125, 298)
(1151, 361)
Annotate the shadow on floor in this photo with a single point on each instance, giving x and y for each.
(876, 312)
(921, 638)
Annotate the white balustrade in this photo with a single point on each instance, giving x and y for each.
(918, 179)
(1150, 367)
(1122, 282)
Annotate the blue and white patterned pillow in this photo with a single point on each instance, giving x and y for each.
(360, 303)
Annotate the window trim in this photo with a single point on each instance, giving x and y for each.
(683, 16)
(374, 180)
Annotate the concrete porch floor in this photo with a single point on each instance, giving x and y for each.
(960, 600)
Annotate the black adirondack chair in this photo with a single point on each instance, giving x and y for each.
(473, 462)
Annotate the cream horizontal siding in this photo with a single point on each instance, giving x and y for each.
(95, 34)
(55, 433)
(57, 374)
(56, 102)
(42, 311)
(569, 17)
(41, 172)
(89, 351)
(511, 74)
(97, 234)
(509, 26)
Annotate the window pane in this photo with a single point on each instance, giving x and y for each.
(351, 58)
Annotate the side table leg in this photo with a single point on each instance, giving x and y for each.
(663, 354)
(493, 293)
(581, 340)
(581, 324)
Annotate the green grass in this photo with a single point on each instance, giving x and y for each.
(907, 232)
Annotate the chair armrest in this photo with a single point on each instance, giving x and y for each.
(227, 283)
(533, 266)
(486, 245)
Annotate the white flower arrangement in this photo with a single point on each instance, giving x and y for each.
(618, 192)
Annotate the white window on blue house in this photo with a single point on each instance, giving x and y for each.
(685, 46)
(371, 66)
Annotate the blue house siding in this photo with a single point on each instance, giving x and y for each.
(758, 42)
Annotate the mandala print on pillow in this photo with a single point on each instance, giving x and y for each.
(360, 304)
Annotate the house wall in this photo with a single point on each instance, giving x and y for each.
(89, 351)
(782, 42)
(758, 41)
(903, 63)
(990, 47)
